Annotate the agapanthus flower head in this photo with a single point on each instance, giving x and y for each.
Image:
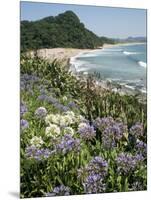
(68, 130)
(72, 105)
(93, 184)
(36, 141)
(52, 130)
(52, 100)
(70, 113)
(59, 191)
(42, 97)
(81, 119)
(138, 158)
(62, 120)
(86, 131)
(64, 108)
(38, 154)
(137, 186)
(22, 85)
(112, 134)
(61, 107)
(98, 166)
(24, 124)
(112, 131)
(137, 130)
(23, 109)
(141, 147)
(103, 123)
(28, 81)
(108, 142)
(53, 118)
(127, 163)
(41, 112)
(93, 175)
(68, 144)
(66, 120)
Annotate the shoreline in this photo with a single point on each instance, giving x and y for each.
(122, 89)
(67, 55)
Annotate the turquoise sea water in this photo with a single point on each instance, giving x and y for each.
(125, 64)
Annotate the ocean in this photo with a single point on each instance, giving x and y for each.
(124, 64)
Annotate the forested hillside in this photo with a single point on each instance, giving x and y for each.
(64, 30)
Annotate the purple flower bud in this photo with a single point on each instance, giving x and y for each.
(103, 123)
(41, 113)
(137, 130)
(38, 154)
(93, 184)
(23, 109)
(86, 131)
(24, 124)
(67, 144)
(141, 147)
(59, 191)
(127, 163)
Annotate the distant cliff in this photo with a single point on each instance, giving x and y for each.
(133, 39)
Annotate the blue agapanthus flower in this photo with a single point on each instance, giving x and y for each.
(86, 131)
(38, 154)
(23, 109)
(59, 191)
(93, 184)
(68, 144)
(24, 124)
(137, 130)
(41, 112)
(127, 163)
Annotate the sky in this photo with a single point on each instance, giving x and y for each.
(103, 21)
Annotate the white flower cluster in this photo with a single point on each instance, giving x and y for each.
(36, 141)
(66, 119)
(68, 130)
(82, 125)
(52, 130)
(55, 121)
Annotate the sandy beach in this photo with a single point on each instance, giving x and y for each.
(66, 53)
(63, 54)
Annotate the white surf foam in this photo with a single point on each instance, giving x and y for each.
(129, 53)
(114, 50)
(82, 69)
(78, 65)
(143, 91)
(88, 55)
(142, 64)
(130, 87)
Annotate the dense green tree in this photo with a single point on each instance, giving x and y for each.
(64, 30)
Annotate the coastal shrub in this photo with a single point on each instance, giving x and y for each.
(76, 137)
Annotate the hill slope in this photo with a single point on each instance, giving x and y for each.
(64, 30)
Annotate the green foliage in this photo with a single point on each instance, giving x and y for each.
(64, 30)
(107, 40)
(40, 177)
